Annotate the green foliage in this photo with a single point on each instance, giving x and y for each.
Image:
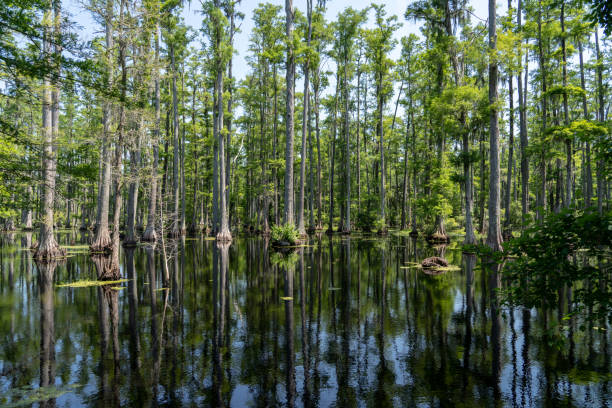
(365, 219)
(287, 233)
(284, 260)
(569, 249)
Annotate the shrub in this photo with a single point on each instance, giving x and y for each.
(566, 250)
(365, 220)
(286, 233)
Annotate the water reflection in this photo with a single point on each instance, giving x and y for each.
(46, 272)
(341, 322)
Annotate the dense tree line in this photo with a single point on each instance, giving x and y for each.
(145, 131)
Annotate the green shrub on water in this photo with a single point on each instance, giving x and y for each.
(287, 233)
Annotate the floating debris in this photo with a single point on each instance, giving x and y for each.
(88, 283)
(286, 298)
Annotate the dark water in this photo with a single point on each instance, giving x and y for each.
(339, 323)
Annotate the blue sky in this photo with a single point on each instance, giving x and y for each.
(191, 13)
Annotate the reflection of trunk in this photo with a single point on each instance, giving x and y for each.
(156, 332)
(470, 262)
(440, 250)
(47, 327)
(526, 378)
(105, 267)
(289, 350)
(133, 311)
(494, 285)
(220, 258)
(108, 315)
(305, 337)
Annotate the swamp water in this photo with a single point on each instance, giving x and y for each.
(341, 322)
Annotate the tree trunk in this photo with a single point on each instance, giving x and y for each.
(347, 159)
(149, 233)
(330, 228)
(523, 127)
(494, 238)
(405, 182)
(510, 150)
(224, 234)
(48, 247)
(588, 193)
(102, 240)
(381, 147)
(274, 144)
(130, 238)
(318, 137)
(301, 227)
(601, 118)
(175, 230)
(289, 215)
(568, 141)
(542, 206)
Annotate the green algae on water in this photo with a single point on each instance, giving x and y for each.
(85, 283)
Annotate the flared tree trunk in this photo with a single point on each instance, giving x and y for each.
(102, 239)
(48, 247)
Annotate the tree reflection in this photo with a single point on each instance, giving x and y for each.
(46, 271)
(289, 346)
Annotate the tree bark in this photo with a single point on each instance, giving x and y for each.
(601, 118)
(568, 141)
(102, 240)
(175, 230)
(301, 227)
(523, 127)
(224, 234)
(48, 247)
(588, 193)
(510, 151)
(289, 125)
(494, 238)
(149, 233)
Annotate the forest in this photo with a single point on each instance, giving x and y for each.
(480, 126)
(305, 203)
